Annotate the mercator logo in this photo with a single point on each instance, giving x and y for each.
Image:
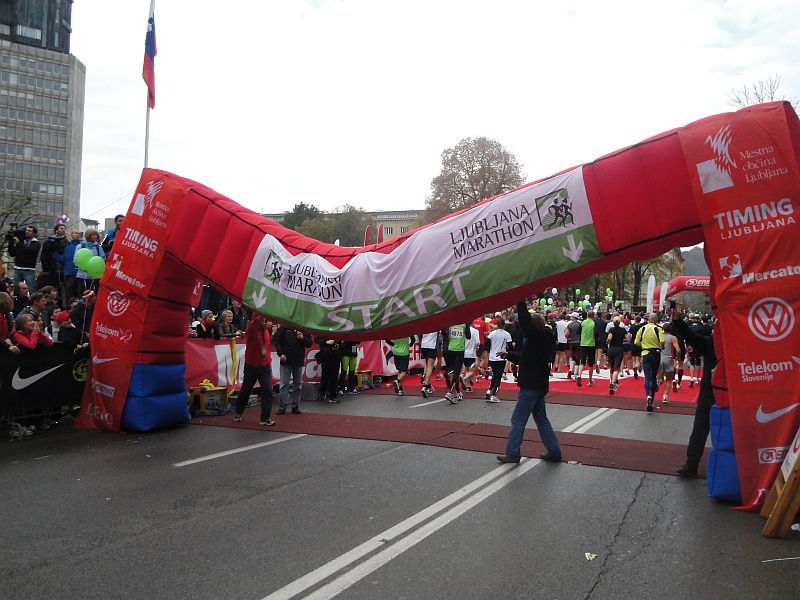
(771, 319)
(715, 174)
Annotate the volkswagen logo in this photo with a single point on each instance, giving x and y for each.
(771, 319)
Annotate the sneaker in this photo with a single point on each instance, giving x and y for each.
(281, 411)
(450, 398)
(493, 400)
(505, 458)
(487, 396)
(675, 386)
(687, 471)
(578, 381)
(267, 422)
(396, 386)
(649, 404)
(636, 374)
(664, 399)
(611, 389)
(459, 397)
(401, 392)
(468, 390)
(691, 384)
(597, 370)
(591, 381)
(424, 391)
(237, 418)
(297, 411)
(333, 401)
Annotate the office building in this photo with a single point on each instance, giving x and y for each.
(41, 111)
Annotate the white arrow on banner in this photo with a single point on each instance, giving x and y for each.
(573, 252)
(260, 298)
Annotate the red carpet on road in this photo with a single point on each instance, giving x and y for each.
(594, 450)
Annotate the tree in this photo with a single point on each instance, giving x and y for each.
(298, 215)
(318, 228)
(348, 224)
(763, 90)
(473, 170)
(663, 267)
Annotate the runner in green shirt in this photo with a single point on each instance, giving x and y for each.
(401, 350)
(587, 348)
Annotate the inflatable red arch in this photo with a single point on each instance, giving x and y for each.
(683, 283)
(730, 180)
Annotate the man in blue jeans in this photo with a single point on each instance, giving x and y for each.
(534, 382)
(290, 345)
(650, 339)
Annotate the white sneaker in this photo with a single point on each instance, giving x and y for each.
(450, 398)
(493, 400)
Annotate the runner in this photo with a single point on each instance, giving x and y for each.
(470, 358)
(650, 338)
(587, 348)
(401, 348)
(573, 343)
(562, 349)
(455, 342)
(427, 344)
(498, 340)
(481, 353)
(615, 339)
(636, 351)
(670, 353)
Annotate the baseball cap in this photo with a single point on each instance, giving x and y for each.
(205, 314)
(576, 315)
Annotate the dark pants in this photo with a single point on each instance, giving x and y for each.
(498, 366)
(329, 377)
(650, 363)
(262, 375)
(700, 430)
(455, 360)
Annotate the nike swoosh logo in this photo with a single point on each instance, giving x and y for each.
(99, 361)
(763, 417)
(20, 383)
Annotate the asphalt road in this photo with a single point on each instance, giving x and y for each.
(177, 514)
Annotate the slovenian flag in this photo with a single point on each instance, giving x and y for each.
(149, 68)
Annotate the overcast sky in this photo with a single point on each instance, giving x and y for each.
(334, 102)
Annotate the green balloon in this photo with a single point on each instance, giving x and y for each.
(571, 304)
(95, 267)
(577, 292)
(81, 259)
(618, 303)
(542, 301)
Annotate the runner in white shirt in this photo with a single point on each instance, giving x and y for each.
(498, 340)
(427, 345)
(561, 343)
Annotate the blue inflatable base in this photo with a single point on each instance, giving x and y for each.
(156, 399)
(722, 472)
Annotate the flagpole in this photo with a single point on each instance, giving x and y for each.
(146, 134)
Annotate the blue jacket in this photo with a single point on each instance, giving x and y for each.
(68, 257)
(95, 249)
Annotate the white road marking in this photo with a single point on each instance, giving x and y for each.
(776, 559)
(374, 563)
(390, 540)
(381, 539)
(194, 461)
(428, 403)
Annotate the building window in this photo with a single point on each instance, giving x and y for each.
(29, 32)
(387, 230)
(403, 230)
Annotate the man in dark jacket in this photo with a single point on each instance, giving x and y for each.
(290, 345)
(53, 269)
(534, 382)
(25, 251)
(704, 346)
